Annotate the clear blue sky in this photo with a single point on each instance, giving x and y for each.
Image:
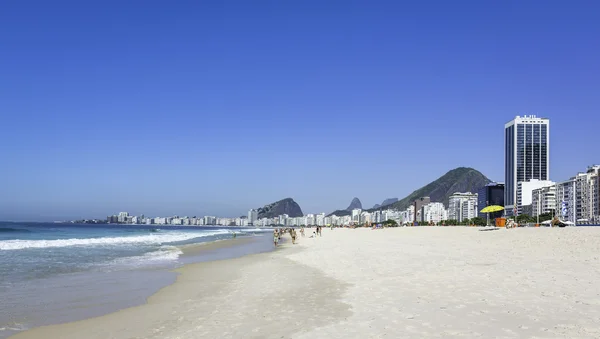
(214, 107)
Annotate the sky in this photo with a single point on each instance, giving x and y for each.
(215, 107)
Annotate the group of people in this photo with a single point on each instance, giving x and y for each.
(278, 232)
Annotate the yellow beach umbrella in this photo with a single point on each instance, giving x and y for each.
(492, 209)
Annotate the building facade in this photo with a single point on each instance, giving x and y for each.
(543, 200)
(435, 212)
(419, 204)
(252, 216)
(525, 193)
(489, 195)
(587, 195)
(462, 206)
(356, 215)
(526, 155)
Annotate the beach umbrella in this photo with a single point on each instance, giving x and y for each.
(492, 209)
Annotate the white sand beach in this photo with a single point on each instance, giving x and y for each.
(421, 282)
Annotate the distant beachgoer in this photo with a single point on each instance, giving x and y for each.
(302, 232)
(293, 234)
(275, 238)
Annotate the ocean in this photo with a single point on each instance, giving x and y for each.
(55, 273)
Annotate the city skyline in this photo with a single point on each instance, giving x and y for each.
(206, 108)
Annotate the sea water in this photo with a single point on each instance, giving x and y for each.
(54, 273)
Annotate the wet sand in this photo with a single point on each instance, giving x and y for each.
(262, 295)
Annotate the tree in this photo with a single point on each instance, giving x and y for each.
(545, 217)
(450, 222)
(390, 223)
(478, 221)
(523, 218)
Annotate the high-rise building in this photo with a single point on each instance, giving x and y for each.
(566, 202)
(525, 193)
(434, 212)
(462, 206)
(543, 200)
(586, 195)
(123, 217)
(419, 204)
(489, 195)
(356, 215)
(252, 216)
(526, 155)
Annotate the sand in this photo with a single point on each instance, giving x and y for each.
(421, 282)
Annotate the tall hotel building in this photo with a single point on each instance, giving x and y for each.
(526, 155)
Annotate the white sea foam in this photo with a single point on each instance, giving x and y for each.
(163, 254)
(156, 238)
(257, 230)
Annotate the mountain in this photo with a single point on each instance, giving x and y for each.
(286, 206)
(376, 206)
(462, 179)
(355, 203)
(388, 201)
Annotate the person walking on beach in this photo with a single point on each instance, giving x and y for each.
(293, 234)
(275, 237)
(302, 232)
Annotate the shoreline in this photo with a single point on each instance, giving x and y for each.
(292, 297)
(408, 282)
(132, 287)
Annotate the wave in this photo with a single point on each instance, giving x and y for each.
(155, 238)
(8, 229)
(164, 253)
(256, 230)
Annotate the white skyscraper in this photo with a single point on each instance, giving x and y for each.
(526, 155)
(252, 216)
(462, 206)
(123, 217)
(356, 215)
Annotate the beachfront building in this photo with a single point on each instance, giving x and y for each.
(320, 219)
(596, 197)
(310, 219)
(490, 195)
(210, 220)
(122, 218)
(418, 205)
(408, 215)
(462, 206)
(526, 155)
(435, 212)
(365, 218)
(543, 200)
(252, 216)
(525, 193)
(356, 215)
(376, 216)
(587, 195)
